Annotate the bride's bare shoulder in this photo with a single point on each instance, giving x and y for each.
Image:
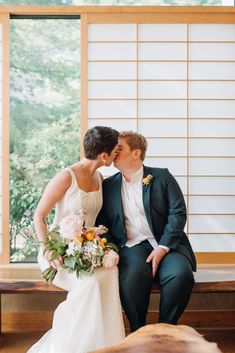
(62, 178)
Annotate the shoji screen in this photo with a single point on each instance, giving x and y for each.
(174, 83)
(211, 133)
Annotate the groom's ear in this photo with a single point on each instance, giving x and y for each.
(136, 154)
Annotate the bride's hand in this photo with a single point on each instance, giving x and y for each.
(53, 263)
(110, 259)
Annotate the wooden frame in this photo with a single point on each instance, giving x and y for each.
(102, 14)
(4, 257)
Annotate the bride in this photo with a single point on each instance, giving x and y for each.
(91, 316)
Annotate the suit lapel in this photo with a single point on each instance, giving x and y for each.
(118, 198)
(146, 198)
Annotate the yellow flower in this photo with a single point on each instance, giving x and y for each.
(147, 180)
(90, 236)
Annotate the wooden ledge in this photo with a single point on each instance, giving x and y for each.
(208, 279)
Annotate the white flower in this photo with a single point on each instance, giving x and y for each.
(71, 225)
(73, 248)
(100, 230)
(110, 259)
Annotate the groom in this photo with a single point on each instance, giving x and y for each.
(144, 209)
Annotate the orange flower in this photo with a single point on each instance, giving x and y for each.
(101, 244)
(104, 240)
(79, 238)
(84, 231)
(90, 236)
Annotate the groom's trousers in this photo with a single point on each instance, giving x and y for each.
(174, 275)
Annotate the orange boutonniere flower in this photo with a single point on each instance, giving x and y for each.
(147, 180)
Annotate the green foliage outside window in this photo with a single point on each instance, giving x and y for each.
(45, 110)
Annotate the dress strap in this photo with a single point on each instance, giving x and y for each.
(101, 178)
(72, 174)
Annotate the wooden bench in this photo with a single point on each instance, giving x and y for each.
(208, 279)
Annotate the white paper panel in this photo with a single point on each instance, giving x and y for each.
(220, 185)
(177, 166)
(182, 181)
(211, 71)
(162, 70)
(120, 124)
(111, 70)
(162, 32)
(162, 51)
(212, 204)
(212, 51)
(205, 90)
(212, 128)
(211, 224)
(111, 89)
(161, 128)
(212, 32)
(111, 109)
(212, 166)
(151, 89)
(211, 109)
(1, 32)
(107, 171)
(213, 243)
(112, 32)
(167, 147)
(212, 147)
(1, 90)
(112, 51)
(162, 109)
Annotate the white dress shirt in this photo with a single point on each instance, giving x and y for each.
(136, 223)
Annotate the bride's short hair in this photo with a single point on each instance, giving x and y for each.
(99, 139)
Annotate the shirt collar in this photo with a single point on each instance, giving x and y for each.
(136, 177)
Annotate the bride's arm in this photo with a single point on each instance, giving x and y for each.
(53, 193)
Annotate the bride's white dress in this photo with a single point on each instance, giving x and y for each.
(91, 317)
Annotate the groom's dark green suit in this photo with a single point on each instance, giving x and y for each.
(166, 215)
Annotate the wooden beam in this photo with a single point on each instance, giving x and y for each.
(77, 10)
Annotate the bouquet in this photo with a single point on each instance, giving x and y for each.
(81, 249)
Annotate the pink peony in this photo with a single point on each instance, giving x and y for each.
(110, 259)
(71, 225)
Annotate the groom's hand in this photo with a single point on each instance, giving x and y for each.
(156, 256)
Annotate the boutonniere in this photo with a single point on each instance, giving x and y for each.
(147, 180)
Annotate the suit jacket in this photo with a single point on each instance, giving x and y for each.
(164, 207)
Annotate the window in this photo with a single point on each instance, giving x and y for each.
(44, 117)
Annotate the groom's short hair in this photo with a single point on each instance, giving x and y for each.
(135, 141)
(99, 139)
